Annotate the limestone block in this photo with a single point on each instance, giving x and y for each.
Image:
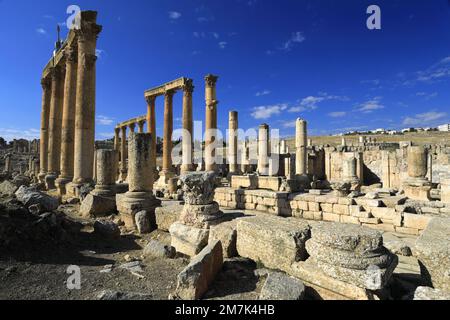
(370, 220)
(384, 213)
(433, 252)
(249, 182)
(8, 188)
(279, 286)
(381, 227)
(226, 233)
(194, 280)
(313, 206)
(345, 201)
(350, 219)
(97, 206)
(167, 215)
(341, 209)
(327, 216)
(346, 237)
(188, 240)
(302, 205)
(416, 221)
(275, 242)
(200, 215)
(328, 207)
(411, 231)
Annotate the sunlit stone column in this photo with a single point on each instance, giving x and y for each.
(68, 120)
(55, 121)
(7, 163)
(106, 172)
(233, 142)
(187, 142)
(46, 94)
(300, 144)
(263, 150)
(123, 154)
(141, 126)
(151, 128)
(140, 179)
(343, 142)
(116, 139)
(245, 157)
(166, 172)
(85, 106)
(211, 122)
(349, 172)
(417, 186)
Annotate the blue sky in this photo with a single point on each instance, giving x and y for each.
(277, 60)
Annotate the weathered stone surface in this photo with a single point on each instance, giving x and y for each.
(373, 278)
(118, 296)
(427, 293)
(348, 259)
(198, 187)
(398, 247)
(29, 197)
(195, 279)
(200, 216)
(7, 188)
(143, 222)
(167, 215)
(279, 286)
(156, 249)
(346, 236)
(107, 229)
(226, 233)
(275, 242)
(433, 251)
(97, 206)
(188, 240)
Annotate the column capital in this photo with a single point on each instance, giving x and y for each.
(46, 83)
(56, 72)
(169, 93)
(189, 86)
(150, 100)
(71, 53)
(141, 122)
(116, 130)
(132, 126)
(123, 129)
(211, 80)
(87, 31)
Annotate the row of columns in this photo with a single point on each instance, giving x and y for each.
(68, 111)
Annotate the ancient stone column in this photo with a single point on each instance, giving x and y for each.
(116, 139)
(7, 163)
(263, 150)
(211, 122)
(55, 123)
(300, 144)
(187, 141)
(46, 94)
(343, 142)
(132, 127)
(166, 172)
(151, 128)
(349, 172)
(417, 186)
(310, 143)
(233, 142)
(140, 179)
(68, 120)
(141, 126)
(85, 105)
(245, 157)
(107, 161)
(123, 154)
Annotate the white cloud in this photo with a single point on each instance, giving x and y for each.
(311, 102)
(223, 44)
(265, 112)
(263, 93)
(10, 134)
(424, 118)
(297, 37)
(174, 15)
(427, 96)
(99, 53)
(104, 120)
(215, 35)
(371, 105)
(337, 114)
(41, 31)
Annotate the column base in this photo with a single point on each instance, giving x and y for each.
(417, 189)
(130, 203)
(61, 184)
(304, 181)
(164, 177)
(50, 179)
(104, 191)
(185, 168)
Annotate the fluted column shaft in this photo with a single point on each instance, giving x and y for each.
(233, 142)
(300, 144)
(116, 139)
(151, 128)
(168, 128)
(263, 150)
(123, 154)
(46, 94)
(211, 122)
(85, 104)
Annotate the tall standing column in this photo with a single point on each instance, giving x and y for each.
(166, 172)
(263, 150)
(55, 122)
(68, 120)
(85, 106)
(233, 142)
(187, 143)
(116, 139)
(123, 154)
(300, 144)
(46, 94)
(151, 128)
(211, 122)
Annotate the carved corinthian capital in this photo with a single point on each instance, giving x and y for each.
(210, 80)
(46, 83)
(189, 86)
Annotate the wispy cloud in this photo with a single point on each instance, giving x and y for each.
(296, 38)
(10, 134)
(174, 15)
(312, 102)
(41, 31)
(427, 118)
(265, 112)
(263, 93)
(223, 44)
(337, 114)
(104, 120)
(371, 105)
(427, 96)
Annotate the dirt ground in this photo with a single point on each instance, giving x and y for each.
(39, 271)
